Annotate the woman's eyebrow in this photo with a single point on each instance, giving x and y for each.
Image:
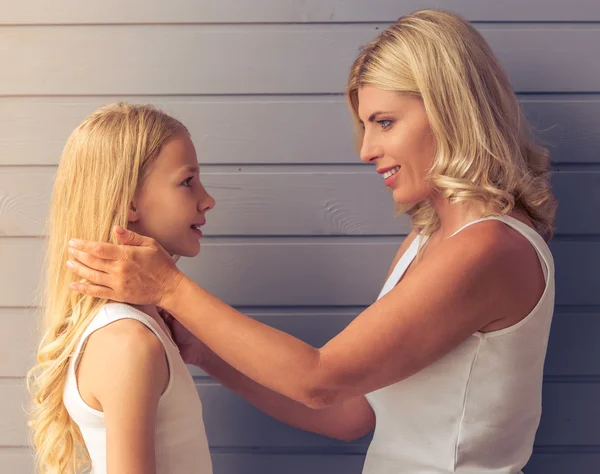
(374, 116)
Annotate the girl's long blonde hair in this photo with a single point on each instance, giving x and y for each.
(485, 151)
(103, 161)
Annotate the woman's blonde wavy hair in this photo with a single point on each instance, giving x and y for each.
(485, 151)
(103, 161)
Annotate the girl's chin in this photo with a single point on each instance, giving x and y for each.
(190, 251)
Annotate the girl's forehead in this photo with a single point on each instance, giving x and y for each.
(177, 154)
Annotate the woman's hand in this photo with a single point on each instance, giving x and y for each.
(138, 272)
(192, 350)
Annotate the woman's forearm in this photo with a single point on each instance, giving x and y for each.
(345, 423)
(292, 367)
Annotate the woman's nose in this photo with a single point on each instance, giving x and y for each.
(370, 150)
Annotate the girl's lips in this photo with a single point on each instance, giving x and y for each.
(196, 229)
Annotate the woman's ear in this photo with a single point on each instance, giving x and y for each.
(133, 214)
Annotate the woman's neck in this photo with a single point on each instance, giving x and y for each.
(455, 215)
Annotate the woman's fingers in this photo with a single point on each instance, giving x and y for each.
(129, 237)
(94, 276)
(90, 261)
(101, 250)
(102, 253)
(138, 272)
(98, 291)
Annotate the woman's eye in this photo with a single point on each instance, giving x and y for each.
(385, 124)
(187, 181)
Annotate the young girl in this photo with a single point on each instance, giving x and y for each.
(110, 390)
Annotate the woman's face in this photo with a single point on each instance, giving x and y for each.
(398, 140)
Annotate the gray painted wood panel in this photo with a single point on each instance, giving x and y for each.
(271, 129)
(541, 463)
(299, 271)
(563, 462)
(577, 264)
(334, 267)
(225, 129)
(573, 348)
(293, 201)
(232, 422)
(18, 340)
(572, 351)
(256, 93)
(298, 200)
(285, 11)
(18, 460)
(578, 194)
(13, 429)
(169, 59)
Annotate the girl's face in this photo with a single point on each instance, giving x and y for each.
(398, 140)
(170, 204)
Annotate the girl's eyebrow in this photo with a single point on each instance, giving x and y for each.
(191, 168)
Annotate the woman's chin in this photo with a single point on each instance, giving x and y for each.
(405, 197)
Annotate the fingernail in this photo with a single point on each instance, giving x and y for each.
(73, 286)
(120, 230)
(74, 243)
(70, 264)
(71, 251)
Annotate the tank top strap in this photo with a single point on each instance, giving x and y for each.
(114, 311)
(534, 238)
(402, 265)
(476, 221)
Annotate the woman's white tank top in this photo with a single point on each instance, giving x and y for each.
(181, 444)
(477, 409)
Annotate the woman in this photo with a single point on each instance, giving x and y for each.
(447, 364)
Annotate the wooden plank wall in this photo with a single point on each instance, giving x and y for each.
(303, 233)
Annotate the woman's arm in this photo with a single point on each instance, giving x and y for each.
(443, 301)
(347, 421)
(129, 374)
(468, 282)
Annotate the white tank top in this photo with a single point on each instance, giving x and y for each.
(181, 444)
(477, 409)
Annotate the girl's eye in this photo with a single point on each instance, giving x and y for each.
(385, 124)
(187, 182)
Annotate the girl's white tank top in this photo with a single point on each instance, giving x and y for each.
(477, 409)
(181, 443)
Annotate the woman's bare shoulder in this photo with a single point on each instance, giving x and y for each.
(504, 257)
